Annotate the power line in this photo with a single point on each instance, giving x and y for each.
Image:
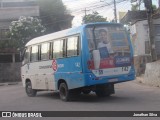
(81, 10)
(98, 7)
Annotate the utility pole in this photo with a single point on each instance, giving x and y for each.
(1, 3)
(115, 11)
(85, 13)
(148, 5)
(139, 4)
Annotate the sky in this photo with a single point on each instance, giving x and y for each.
(77, 7)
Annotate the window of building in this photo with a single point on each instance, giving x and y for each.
(58, 49)
(72, 46)
(6, 58)
(34, 53)
(45, 51)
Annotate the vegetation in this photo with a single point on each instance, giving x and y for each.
(137, 4)
(154, 7)
(52, 14)
(23, 30)
(94, 17)
(135, 7)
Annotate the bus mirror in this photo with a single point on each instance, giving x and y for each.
(22, 54)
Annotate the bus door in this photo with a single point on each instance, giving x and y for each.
(35, 70)
(45, 67)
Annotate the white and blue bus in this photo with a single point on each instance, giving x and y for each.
(91, 57)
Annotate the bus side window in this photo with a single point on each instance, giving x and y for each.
(50, 50)
(73, 46)
(45, 51)
(26, 57)
(34, 53)
(58, 49)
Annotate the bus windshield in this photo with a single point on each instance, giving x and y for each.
(110, 42)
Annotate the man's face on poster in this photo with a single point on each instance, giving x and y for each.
(103, 36)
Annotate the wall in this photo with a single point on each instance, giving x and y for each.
(140, 63)
(152, 74)
(156, 21)
(157, 36)
(141, 37)
(15, 13)
(13, 0)
(10, 72)
(140, 34)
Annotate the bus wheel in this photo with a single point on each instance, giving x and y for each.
(104, 90)
(100, 93)
(86, 91)
(30, 92)
(64, 92)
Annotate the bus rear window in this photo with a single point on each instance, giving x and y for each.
(112, 36)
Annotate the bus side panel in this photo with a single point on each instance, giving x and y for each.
(28, 74)
(40, 74)
(70, 70)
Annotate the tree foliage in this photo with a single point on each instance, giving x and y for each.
(135, 7)
(94, 17)
(23, 30)
(52, 14)
(154, 7)
(137, 4)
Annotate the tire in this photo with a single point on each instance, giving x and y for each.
(30, 92)
(86, 92)
(75, 92)
(64, 92)
(104, 90)
(101, 93)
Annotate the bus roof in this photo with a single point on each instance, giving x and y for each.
(63, 33)
(55, 35)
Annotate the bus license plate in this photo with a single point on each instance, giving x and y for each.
(113, 80)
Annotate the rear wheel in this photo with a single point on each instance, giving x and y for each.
(64, 92)
(86, 92)
(30, 92)
(104, 90)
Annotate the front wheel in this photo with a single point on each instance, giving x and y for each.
(30, 92)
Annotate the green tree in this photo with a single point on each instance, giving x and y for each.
(135, 7)
(94, 17)
(154, 7)
(23, 30)
(53, 14)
